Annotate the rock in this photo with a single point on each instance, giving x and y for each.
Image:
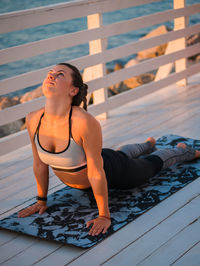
(11, 128)
(131, 83)
(23, 126)
(131, 62)
(193, 39)
(7, 102)
(118, 87)
(157, 50)
(32, 95)
(139, 80)
(117, 67)
(14, 126)
(197, 58)
(146, 78)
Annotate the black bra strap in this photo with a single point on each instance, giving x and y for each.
(37, 129)
(70, 123)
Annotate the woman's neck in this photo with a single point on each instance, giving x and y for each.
(56, 110)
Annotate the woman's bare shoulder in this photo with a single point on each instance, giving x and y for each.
(32, 120)
(34, 115)
(82, 117)
(85, 124)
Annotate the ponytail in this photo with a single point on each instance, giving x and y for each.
(81, 96)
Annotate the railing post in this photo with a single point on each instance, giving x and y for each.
(180, 23)
(97, 71)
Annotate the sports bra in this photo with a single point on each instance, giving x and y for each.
(71, 159)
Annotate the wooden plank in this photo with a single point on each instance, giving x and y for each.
(23, 200)
(43, 250)
(72, 39)
(22, 110)
(101, 82)
(150, 103)
(44, 254)
(175, 126)
(19, 181)
(13, 157)
(35, 77)
(34, 17)
(48, 45)
(137, 108)
(16, 112)
(149, 20)
(16, 204)
(176, 247)
(19, 190)
(141, 91)
(15, 179)
(191, 256)
(194, 124)
(24, 197)
(20, 165)
(14, 247)
(134, 47)
(141, 251)
(23, 81)
(14, 142)
(18, 185)
(142, 67)
(159, 126)
(45, 14)
(39, 248)
(140, 127)
(136, 229)
(6, 236)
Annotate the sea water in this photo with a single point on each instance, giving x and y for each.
(48, 31)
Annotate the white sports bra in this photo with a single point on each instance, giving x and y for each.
(71, 159)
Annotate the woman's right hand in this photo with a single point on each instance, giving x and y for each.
(37, 207)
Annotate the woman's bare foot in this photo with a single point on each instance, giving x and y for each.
(183, 145)
(152, 141)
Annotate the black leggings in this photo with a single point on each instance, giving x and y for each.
(125, 173)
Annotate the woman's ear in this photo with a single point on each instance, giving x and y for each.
(74, 91)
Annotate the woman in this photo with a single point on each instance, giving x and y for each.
(66, 137)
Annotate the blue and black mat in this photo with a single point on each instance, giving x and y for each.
(70, 209)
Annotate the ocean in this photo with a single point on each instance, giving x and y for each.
(47, 31)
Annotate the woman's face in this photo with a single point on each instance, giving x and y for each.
(58, 82)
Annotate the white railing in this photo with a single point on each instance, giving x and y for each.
(96, 36)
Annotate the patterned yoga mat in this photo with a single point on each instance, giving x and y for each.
(69, 208)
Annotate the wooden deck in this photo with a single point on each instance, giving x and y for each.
(167, 234)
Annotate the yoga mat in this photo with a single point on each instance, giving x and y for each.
(69, 209)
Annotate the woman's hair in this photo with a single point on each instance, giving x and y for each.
(77, 80)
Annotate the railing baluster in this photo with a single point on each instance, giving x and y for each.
(180, 23)
(97, 71)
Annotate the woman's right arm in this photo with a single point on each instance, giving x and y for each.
(41, 172)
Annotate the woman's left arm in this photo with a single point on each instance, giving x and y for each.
(92, 144)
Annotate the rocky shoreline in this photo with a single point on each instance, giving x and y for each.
(128, 84)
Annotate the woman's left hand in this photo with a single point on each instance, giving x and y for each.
(100, 225)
